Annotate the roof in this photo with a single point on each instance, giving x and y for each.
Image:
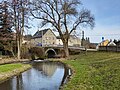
(39, 34)
(111, 44)
(58, 37)
(105, 41)
(74, 36)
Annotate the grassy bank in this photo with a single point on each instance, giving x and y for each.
(9, 70)
(94, 71)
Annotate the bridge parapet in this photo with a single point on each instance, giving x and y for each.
(58, 51)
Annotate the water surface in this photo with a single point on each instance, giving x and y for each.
(42, 76)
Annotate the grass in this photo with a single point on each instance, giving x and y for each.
(9, 70)
(9, 67)
(94, 71)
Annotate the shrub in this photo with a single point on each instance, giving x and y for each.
(25, 52)
(37, 53)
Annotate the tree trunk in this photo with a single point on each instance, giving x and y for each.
(66, 51)
(18, 45)
(13, 53)
(11, 49)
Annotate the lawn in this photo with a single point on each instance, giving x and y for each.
(9, 67)
(9, 70)
(94, 71)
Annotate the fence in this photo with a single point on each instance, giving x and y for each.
(109, 48)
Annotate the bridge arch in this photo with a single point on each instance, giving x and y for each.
(50, 53)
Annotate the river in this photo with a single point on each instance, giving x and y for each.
(42, 76)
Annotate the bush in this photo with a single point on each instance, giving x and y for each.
(26, 55)
(25, 52)
(37, 53)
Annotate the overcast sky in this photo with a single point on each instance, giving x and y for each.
(107, 19)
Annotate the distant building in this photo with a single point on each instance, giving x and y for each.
(107, 43)
(47, 38)
(59, 41)
(117, 42)
(104, 43)
(72, 41)
(43, 38)
(85, 42)
(111, 43)
(93, 45)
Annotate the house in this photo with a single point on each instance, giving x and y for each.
(108, 46)
(43, 38)
(93, 45)
(107, 43)
(72, 41)
(111, 43)
(47, 38)
(59, 41)
(117, 42)
(104, 43)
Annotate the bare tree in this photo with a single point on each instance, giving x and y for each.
(20, 12)
(64, 15)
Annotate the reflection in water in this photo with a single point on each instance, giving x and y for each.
(43, 76)
(48, 69)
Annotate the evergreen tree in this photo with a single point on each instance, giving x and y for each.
(5, 26)
(5, 23)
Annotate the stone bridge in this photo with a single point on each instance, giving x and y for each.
(57, 51)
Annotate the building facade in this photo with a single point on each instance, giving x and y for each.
(43, 38)
(72, 41)
(48, 38)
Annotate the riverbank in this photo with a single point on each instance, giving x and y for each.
(9, 70)
(94, 71)
(11, 60)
